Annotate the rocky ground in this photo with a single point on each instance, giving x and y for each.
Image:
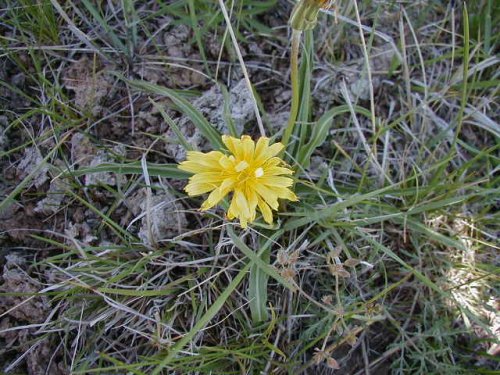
(75, 247)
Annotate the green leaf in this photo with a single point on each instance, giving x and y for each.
(161, 170)
(205, 319)
(257, 283)
(320, 132)
(268, 269)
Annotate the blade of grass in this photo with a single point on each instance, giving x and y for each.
(205, 319)
(185, 107)
(320, 132)
(197, 34)
(117, 43)
(160, 170)
(257, 290)
(172, 125)
(119, 231)
(257, 283)
(271, 271)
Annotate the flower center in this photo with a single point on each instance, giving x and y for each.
(246, 171)
(241, 166)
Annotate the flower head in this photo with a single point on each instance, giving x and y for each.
(251, 171)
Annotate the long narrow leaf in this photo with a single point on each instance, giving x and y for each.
(205, 319)
(185, 107)
(271, 271)
(320, 132)
(162, 170)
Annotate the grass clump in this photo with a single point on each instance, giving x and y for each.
(386, 263)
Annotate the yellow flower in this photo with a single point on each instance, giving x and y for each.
(252, 172)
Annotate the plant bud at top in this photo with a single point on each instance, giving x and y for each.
(305, 14)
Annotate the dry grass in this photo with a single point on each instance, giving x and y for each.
(387, 264)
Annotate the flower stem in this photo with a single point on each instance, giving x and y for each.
(294, 65)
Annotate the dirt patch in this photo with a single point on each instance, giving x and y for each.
(161, 215)
(22, 306)
(90, 82)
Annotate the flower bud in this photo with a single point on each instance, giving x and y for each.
(305, 14)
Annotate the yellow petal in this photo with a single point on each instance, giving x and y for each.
(285, 193)
(276, 171)
(269, 196)
(248, 146)
(227, 184)
(273, 150)
(232, 212)
(261, 147)
(191, 166)
(241, 166)
(209, 158)
(267, 214)
(241, 204)
(208, 177)
(198, 162)
(252, 202)
(226, 163)
(278, 181)
(272, 162)
(243, 222)
(213, 198)
(233, 145)
(194, 189)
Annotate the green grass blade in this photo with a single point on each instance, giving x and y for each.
(185, 107)
(172, 125)
(197, 34)
(308, 217)
(257, 290)
(161, 170)
(257, 283)
(320, 132)
(271, 271)
(117, 43)
(205, 319)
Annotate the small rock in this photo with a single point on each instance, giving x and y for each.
(16, 280)
(52, 202)
(3, 129)
(82, 150)
(105, 178)
(211, 105)
(278, 120)
(32, 160)
(91, 84)
(166, 217)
